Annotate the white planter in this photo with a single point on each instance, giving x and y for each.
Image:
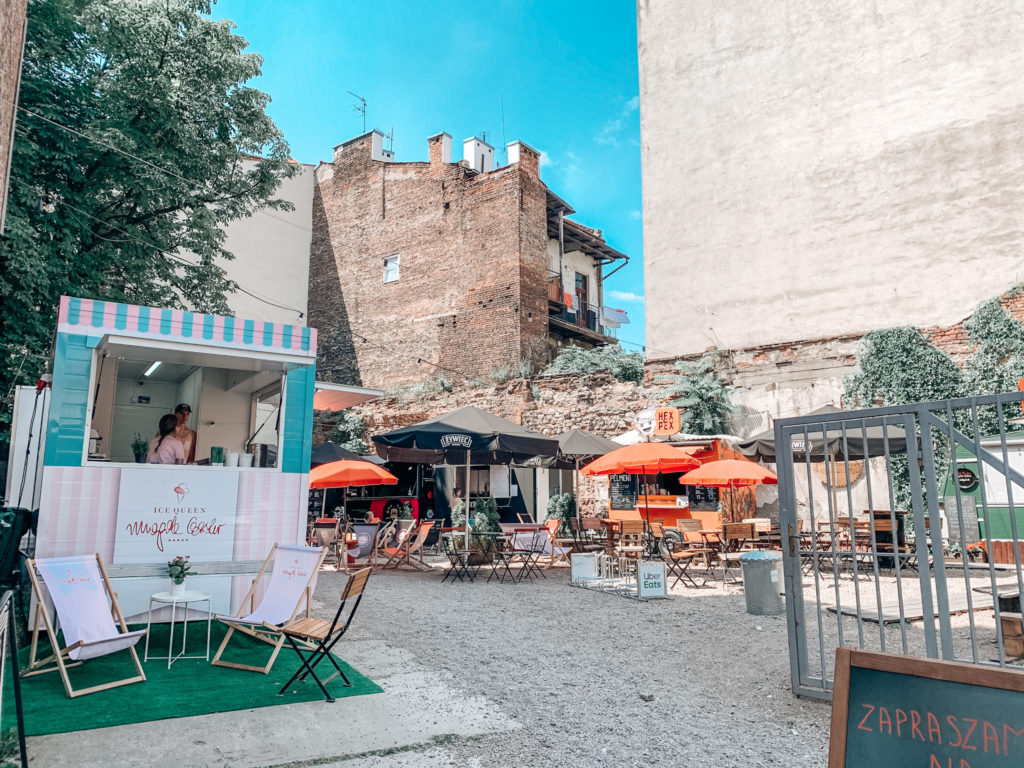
(177, 590)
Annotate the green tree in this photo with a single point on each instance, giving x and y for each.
(350, 432)
(703, 399)
(133, 131)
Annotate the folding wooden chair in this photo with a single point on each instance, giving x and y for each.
(631, 539)
(325, 534)
(325, 635)
(583, 541)
(736, 538)
(289, 593)
(409, 546)
(86, 607)
(555, 547)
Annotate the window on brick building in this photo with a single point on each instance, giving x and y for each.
(391, 269)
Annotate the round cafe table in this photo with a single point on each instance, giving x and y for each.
(186, 597)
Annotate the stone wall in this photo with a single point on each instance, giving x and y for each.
(596, 403)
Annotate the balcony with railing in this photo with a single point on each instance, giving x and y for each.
(580, 319)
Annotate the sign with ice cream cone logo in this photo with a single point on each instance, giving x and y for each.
(162, 513)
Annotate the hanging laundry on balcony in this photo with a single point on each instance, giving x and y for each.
(571, 301)
(613, 318)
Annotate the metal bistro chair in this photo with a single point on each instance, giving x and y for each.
(458, 558)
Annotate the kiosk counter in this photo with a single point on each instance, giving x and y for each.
(250, 387)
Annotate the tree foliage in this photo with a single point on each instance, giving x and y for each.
(623, 365)
(350, 432)
(703, 399)
(161, 127)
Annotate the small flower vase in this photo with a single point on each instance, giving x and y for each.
(177, 588)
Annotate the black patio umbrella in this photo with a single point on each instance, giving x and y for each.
(466, 436)
(826, 441)
(576, 448)
(330, 451)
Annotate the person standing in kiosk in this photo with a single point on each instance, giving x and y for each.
(166, 449)
(182, 412)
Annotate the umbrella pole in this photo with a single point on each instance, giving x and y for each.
(466, 497)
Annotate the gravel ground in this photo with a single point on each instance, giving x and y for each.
(596, 679)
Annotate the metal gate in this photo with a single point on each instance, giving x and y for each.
(901, 533)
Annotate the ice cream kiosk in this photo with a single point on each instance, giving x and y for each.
(248, 387)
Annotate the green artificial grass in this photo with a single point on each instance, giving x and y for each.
(189, 687)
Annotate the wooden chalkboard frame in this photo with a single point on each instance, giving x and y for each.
(951, 671)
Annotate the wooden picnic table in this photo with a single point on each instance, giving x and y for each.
(1008, 597)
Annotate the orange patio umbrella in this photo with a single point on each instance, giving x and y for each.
(642, 459)
(345, 473)
(348, 472)
(730, 473)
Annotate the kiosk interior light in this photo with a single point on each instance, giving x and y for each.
(152, 368)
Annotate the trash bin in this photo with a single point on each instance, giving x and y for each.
(762, 582)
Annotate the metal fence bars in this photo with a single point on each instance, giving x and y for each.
(902, 530)
(9, 655)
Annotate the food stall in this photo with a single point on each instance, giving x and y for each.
(661, 495)
(249, 385)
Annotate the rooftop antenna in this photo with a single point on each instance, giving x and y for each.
(483, 137)
(391, 139)
(360, 108)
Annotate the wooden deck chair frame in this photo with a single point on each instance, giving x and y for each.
(409, 546)
(559, 552)
(268, 633)
(57, 660)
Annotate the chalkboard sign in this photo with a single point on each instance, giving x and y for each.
(623, 491)
(316, 502)
(702, 497)
(901, 711)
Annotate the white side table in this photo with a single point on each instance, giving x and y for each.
(186, 597)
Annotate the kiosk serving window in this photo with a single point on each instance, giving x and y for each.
(234, 402)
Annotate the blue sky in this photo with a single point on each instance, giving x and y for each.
(565, 73)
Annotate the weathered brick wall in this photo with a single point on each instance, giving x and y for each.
(12, 33)
(471, 246)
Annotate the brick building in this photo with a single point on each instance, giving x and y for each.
(423, 269)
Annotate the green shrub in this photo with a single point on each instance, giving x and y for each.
(349, 432)
(623, 365)
(563, 507)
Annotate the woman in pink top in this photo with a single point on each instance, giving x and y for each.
(166, 449)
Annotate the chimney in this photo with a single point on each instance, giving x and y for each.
(527, 157)
(478, 155)
(372, 141)
(377, 151)
(439, 147)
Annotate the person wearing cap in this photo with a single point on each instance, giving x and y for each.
(182, 412)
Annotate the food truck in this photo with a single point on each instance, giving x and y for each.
(983, 498)
(661, 496)
(249, 386)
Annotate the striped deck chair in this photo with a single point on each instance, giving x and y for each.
(86, 608)
(288, 594)
(409, 546)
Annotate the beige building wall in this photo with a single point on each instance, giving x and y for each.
(818, 169)
(271, 250)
